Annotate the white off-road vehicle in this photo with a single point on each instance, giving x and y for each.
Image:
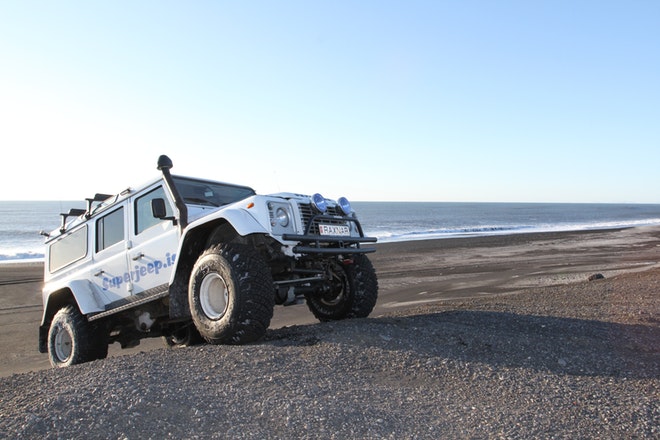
(185, 259)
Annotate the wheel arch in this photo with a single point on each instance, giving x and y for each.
(195, 241)
(78, 293)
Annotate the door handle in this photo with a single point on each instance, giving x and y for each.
(99, 273)
(137, 256)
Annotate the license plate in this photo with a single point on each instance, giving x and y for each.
(334, 230)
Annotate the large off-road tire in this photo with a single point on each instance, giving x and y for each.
(74, 340)
(353, 292)
(231, 294)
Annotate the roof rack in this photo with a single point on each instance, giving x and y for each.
(73, 212)
(98, 197)
(77, 212)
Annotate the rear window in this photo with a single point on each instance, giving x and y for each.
(65, 251)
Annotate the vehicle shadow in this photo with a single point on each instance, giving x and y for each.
(564, 346)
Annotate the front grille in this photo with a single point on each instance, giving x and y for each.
(307, 213)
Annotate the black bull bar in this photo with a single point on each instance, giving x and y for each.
(330, 244)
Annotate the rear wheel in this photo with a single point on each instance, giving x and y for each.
(352, 292)
(231, 294)
(73, 340)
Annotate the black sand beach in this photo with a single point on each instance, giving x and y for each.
(474, 337)
(410, 274)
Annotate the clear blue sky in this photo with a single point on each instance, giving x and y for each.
(530, 101)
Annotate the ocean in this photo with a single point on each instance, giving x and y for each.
(20, 222)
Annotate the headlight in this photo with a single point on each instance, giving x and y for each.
(282, 217)
(319, 202)
(345, 205)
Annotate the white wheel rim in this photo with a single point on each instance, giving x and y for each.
(63, 344)
(214, 296)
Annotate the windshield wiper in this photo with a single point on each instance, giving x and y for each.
(200, 201)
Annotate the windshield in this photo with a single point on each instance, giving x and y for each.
(202, 192)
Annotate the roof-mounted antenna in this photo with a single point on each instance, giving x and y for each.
(73, 212)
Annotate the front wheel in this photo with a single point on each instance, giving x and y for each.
(352, 291)
(231, 294)
(73, 340)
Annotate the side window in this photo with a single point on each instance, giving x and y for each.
(144, 219)
(71, 248)
(110, 229)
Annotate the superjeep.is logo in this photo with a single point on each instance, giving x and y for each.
(141, 271)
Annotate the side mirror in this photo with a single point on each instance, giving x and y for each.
(159, 210)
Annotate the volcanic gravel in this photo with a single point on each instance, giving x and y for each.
(572, 361)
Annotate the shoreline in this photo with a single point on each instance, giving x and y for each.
(22, 262)
(40, 261)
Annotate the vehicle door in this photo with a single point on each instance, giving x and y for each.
(110, 268)
(154, 243)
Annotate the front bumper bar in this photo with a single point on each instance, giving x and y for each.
(311, 243)
(330, 245)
